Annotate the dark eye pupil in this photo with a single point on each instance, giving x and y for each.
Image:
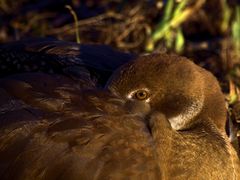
(141, 95)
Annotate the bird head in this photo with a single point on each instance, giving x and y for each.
(171, 85)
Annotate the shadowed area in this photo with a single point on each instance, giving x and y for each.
(78, 61)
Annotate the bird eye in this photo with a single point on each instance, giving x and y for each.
(141, 95)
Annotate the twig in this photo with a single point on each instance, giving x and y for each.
(75, 21)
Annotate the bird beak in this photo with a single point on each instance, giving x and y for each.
(140, 108)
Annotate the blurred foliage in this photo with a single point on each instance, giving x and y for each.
(236, 32)
(136, 26)
(227, 11)
(234, 95)
(8, 6)
(168, 29)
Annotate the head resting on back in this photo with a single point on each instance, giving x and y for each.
(174, 86)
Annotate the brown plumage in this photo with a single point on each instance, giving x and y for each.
(159, 117)
(68, 133)
(187, 118)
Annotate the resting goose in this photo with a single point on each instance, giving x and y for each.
(158, 117)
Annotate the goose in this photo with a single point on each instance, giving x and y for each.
(158, 117)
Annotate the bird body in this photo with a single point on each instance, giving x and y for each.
(87, 138)
(158, 117)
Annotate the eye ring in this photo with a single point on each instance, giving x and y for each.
(141, 94)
